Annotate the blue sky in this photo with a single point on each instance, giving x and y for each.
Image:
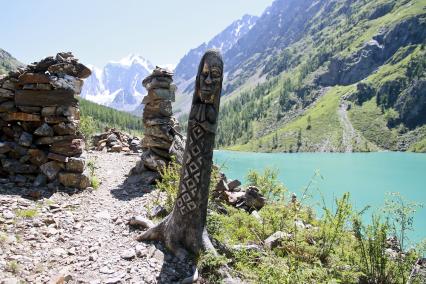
(98, 31)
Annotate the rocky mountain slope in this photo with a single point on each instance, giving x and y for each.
(332, 76)
(8, 62)
(118, 84)
(186, 69)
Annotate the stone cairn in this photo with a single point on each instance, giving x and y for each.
(162, 139)
(113, 140)
(39, 118)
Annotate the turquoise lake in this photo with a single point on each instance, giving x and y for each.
(367, 176)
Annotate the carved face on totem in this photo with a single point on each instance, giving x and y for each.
(210, 77)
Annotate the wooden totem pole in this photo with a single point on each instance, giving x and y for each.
(184, 228)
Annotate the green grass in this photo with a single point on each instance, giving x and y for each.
(368, 119)
(27, 213)
(419, 146)
(325, 128)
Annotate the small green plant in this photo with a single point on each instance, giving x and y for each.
(210, 264)
(169, 183)
(13, 266)
(268, 184)
(94, 180)
(87, 126)
(3, 238)
(401, 216)
(333, 226)
(26, 213)
(91, 166)
(371, 245)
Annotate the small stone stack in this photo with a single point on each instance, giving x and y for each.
(113, 140)
(162, 139)
(39, 118)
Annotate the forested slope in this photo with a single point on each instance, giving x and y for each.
(353, 79)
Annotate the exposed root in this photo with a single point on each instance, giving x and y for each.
(191, 279)
(153, 234)
(207, 243)
(142, 222)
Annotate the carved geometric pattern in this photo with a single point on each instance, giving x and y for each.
(186, 197)
(195, 150)
(198, 132)
(192, 168)
(190, 183)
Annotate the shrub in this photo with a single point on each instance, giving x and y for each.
(268, 184)
(210, 265)
(169, 183)
(87, 126)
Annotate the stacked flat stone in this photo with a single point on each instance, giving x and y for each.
(39, 119)
(162, 139)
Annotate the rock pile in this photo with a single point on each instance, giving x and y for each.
(162, 139)
(113, 140)
(231, 192)
(39, 119)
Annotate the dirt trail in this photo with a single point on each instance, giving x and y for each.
(84, 236)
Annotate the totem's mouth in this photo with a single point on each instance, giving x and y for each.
(206, 90)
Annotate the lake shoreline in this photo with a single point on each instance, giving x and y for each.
(367, 176)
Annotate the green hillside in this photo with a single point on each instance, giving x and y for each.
(355, 81)
(95, 118)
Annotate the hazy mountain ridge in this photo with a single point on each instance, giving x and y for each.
(8, 62)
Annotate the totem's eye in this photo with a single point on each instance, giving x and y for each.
(215, 73)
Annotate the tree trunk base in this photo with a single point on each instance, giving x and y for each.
(169, 238)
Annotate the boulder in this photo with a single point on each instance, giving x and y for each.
(69, 148)
(15, 167)
(233, 184)
(21, 116)
(75, 165)
(57, 157)
(5, 147)
(7, 106)
(149, 141)
(44, 130)
(275, 239)
(37, 157)
(8, 94)
(65, 128)
(116, 148)
(48, 111)
(44, 98)
(75, 180)
(51, 169)
(26, 139)
(33, 78)
(253, 199)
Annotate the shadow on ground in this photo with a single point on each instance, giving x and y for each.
(29, 191)
(135, 186)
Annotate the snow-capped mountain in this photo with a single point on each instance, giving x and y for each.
(119, 83)
(186, 69)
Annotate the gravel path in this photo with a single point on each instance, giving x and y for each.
(83, 237)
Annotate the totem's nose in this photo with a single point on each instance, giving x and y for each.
(208, 79)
